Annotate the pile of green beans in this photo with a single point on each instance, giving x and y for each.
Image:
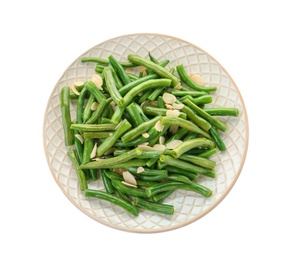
(131, 129)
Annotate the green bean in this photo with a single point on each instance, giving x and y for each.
(88, 147)
(66, 117)
(152, 83)
(117, 80)
(153, 206)
(222, 111)
(161, 103)
(208, 153)
(152, 161)
(149, 174)
(164, 186)
(178, 135)
(78, 146)
(96, 114)
(171, 120)
(190, 144)
(146, 154)
(113, 199)
(98, 95)
(153, 59)
(111, 162)
(87, 110)
(173, 170)
(169, 160)
(93, 127)
(201, 100)
(212, 120)
(155, 111)
(135, 114)
(190, 136)
(119, 70)
(186, 79)
(97, 135)
(161, 196)
(79, 107)
(217, 139)
(132, 77)
(154, 95)
(144, 96)
(133, 84)
(99, 68)
(104, 61)
(130, 163)
(199, 121)
(134, 133)
(107, 182)
(111, 86)
(155, 139)
(179, 178)
(109, 142)
(132, 191)
(154, 67)
(79, 172)
(183, 93)
(112, 175)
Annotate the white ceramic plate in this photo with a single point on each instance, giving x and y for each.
(189, 206)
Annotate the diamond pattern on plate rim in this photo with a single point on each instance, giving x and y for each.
(188, 206)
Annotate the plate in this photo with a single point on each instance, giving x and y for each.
(189, 206)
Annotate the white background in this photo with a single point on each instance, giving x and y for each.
(40, 39)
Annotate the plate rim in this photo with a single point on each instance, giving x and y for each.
(203, 213)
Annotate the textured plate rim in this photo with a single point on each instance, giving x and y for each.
(205, 212)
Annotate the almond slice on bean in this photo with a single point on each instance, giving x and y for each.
(129, 178)
(93, 152)
(80, 138)
(78, 83)
(94, 106)
(162, 140)
(74, 90)
(175, 113)
(140, 169)
(145, 135)
(170, 107)
(159, 127)
(178, 87)
(128, 184)
(173, 129)
(178, 106)
(97, 80)
(159, 147)
(197, 79)
(173, 144)
(169, 98)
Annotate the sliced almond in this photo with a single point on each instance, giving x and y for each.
(145, 135)
(178, 106)
(162, 140)
(129, 178)
(118, 170)
(178, 87)
(140, 169)
(146, 148)
(159, 127)
(112, 104)
(140, 68)
(94, 106)
(169, 98)
(159, 147)
(197, 79)
(74, 90)
(80, 138)
(78, 83)
(97, 80)
(140, 94)
(173, 129)
(109, 151)
(175, 113)
(129, 70)
(93, 152)
(173, 144)
(128, 184)
(169, 106)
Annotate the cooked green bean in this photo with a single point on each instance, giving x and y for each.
(111, 85)
(132, 191)
(170, 185)
(104, 61)
(154, 67)
(161, 196)
(146, 154)
(212, 120)
(109, 142)
(135, 114)
(117, 80)
(88, 147)
(190, 144)
(190, 136)
(130, 163)
(119, 70)
(173, 170)
(208, 153)
(182, 93)
(222, 111)
(87, 110)
(97, 135)
(153, 206)
(217, 139)
(169, 160)
(171, 120)
(178, 135)
(161, 103)
(93, 127)
(154, 95)
(107, 182)
(113, 199)
(111, 162)
(79, 106)
(134, 133)
(66, 117)
(98, 95)
(96, 114)
(155, 111)
(79, 172)
(179, 178)
(185, 78)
